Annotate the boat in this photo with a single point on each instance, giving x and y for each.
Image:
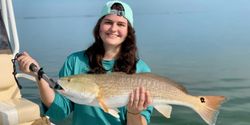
(14, 109)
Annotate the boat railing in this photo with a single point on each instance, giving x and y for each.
(14, 109)
(10, 24)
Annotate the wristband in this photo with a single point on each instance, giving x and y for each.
(40, 73)
(133, 113)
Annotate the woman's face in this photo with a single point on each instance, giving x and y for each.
(113, 30)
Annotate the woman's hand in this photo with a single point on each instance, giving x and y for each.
(139, 100)
(24, 62)
(47, 94)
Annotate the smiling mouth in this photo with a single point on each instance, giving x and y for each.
(112, 35)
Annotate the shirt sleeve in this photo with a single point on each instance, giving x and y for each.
(60, 108)
(147, 113)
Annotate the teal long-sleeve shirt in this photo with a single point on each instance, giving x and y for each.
(61, 107)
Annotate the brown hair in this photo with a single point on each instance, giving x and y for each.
(127, 58)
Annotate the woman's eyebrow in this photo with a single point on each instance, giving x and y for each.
(108, 20)
(114, 21)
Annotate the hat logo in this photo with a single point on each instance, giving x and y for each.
(117, 12)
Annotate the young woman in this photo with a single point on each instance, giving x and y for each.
(114, 50)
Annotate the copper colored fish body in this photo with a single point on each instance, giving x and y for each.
(112, 90)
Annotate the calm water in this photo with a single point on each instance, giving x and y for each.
(204, 45)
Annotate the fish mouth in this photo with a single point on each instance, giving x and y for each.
(58, 85)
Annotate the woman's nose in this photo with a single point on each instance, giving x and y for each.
(113, 27)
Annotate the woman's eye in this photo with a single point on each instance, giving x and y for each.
(121, 24)
(108, 22)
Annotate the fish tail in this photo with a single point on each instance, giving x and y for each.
(208, 107)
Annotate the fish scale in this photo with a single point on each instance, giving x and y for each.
(116, 83)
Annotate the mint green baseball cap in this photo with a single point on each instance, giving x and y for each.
(127, 13)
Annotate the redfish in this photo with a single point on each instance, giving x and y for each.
(110, 91)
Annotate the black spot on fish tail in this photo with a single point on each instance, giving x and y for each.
(202, 100)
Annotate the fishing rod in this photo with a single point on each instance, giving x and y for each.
(41, 74)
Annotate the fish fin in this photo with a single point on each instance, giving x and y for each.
(102, 104)
(114, 112)
(165, 110)
(208, 108)
(114, 109)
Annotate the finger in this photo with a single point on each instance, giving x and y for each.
(26, 61)
(131, 97)
(22, 62)
(20, 65)
(142, 97)
(148, 99)
(136, 97)
(25, 53)
(21, 55)
(27, 65)
(22, 58)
